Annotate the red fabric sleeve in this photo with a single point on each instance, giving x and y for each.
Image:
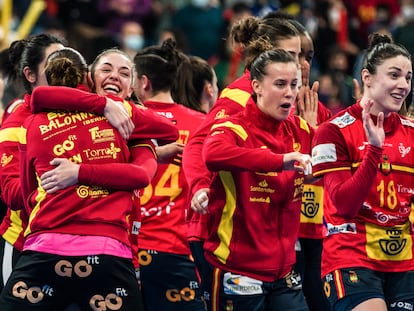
(221, 152)
(27, 181)
(122, 176)
(10, 175)
(196, 172)
(340, 184)
(323, 113)
(150, 125)
(66, 98)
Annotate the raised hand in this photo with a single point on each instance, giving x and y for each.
(308, 103)
(375, 132)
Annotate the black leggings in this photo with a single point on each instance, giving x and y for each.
(8, 258)
(308, 264)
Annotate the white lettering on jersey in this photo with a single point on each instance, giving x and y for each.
(323, 153)
(343, 120)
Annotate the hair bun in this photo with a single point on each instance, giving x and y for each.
(376, 39)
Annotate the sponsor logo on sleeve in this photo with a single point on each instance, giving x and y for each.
(323, 153)
(407, 122)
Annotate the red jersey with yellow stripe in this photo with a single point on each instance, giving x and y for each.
(90, 208)
(12, 134)
(254, 205)
(379, 237)
(232, 100)
(165, 201)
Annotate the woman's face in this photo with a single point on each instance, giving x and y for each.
(305, 57)
(389, 87)
(214, 85)
(277, 91)
(113, 75)
(291, 45)
(306, 49)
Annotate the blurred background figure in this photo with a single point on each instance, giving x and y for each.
(230, 65)
(131, 38)
(404, 32)
(328, 93)
(116, 12)
(84, 26)
(179, 38)
(263, 7)
(338, 69)
(201, 22)
(365, 13)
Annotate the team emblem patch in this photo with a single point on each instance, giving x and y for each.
(385, 165)
(343, 120)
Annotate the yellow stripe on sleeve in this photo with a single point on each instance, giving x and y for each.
(401, 168)
(304, 125)
(13, 232)
(225, 227)
(322, 172)
(149, 146)
(236, 95)
(13, 134)
(41, 195)
(128, 107)
(238, 129)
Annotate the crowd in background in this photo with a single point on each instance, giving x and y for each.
(200, 27)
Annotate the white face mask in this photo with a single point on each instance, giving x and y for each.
(200, 3)
(333, 15)
(408, 11)
(134, 42)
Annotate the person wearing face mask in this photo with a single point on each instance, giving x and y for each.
(131, 38)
